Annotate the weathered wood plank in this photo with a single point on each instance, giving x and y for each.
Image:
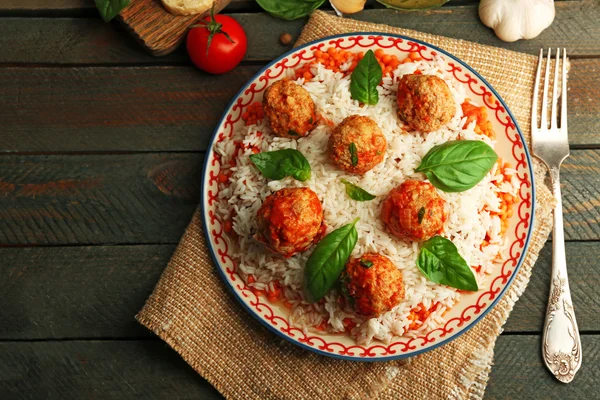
(584, 280)
(148, 369)
(149, 198)
(580, 180)
(68, 40)
(77, 292)
(168, 108)
(94, 292)
(519, 372)
(113, 109)
(144, 198)
(36, 5)
(44, 6)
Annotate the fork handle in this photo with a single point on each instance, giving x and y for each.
(561, 342)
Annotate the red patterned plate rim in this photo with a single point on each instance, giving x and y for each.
(262, 309)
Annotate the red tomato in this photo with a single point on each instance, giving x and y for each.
(216, 44)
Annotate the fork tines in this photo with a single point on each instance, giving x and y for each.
(543, 123)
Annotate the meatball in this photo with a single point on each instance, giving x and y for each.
(425, 102)
(372, 284)
(290, 221)
(414, 211)
(289, 109)
(357, 144)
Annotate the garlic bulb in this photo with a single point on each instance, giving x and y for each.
(517, 19)
(347, 6)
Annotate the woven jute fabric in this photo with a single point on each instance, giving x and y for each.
(193, 312)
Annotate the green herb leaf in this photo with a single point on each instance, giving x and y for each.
(110, 8)
(327, 261)
(365, 78)
(353, 154)
(421, 214)
(290, 9)
(458, 165)
(279, 164)
(356, 192)
(366, 263)
(441, 263)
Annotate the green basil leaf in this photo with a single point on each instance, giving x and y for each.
(279, 164)
(353, 154)
(110, 8)
(441, 263)
(290, 9)
(365, 78)
(366, 263)
(327, 261)
(458, 165)
(356, 192)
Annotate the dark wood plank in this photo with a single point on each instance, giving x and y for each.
(113, 109)
(583, 109)
(580, 180)
(41, 6)
(519, 371)
(46, 5)
(68, 40)
(148, 369)
(168, 108)
(584, 280)
(37, 5)
(94, 292)
(77, 292)
(98, 370)
(574, 26)
(143, 198)
(149, 198)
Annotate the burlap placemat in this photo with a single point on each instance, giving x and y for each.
(193, 312)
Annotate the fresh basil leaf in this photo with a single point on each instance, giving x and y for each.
(353, 154)
(110, 8)
(366, 263)
(327, 261)
(356, 192)
(441, 263)
(279, 164)
(421, 214)
(365, 78)
(458, 165)
(290, 9)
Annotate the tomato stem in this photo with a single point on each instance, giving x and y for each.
(213, 28)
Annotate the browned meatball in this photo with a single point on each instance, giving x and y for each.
(372, 284)
(425, 102)
(414, 211)
(357, 144)
(290, 221)
(289, 109)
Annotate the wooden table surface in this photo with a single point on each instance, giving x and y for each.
(101, 147)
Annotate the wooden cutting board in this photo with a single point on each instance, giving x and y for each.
(159, 31)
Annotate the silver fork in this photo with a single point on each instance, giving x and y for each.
(561, 346)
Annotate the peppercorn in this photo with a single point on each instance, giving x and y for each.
(285, 39)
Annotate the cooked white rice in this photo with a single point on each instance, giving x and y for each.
(470, 218)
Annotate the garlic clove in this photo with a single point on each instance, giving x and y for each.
(347, 6)
(512, 20)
